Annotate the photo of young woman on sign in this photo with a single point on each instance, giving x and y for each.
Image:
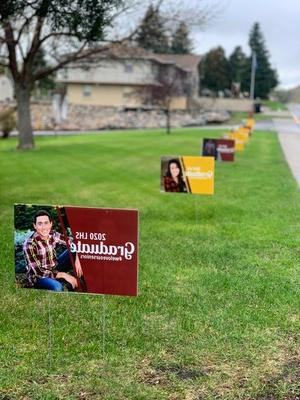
(173, 178)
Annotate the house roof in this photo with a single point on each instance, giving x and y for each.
(184, 61)
(188, 62)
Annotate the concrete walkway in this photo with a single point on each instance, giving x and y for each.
(289, 138)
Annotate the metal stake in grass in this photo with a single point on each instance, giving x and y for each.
(196, 209)
(103, 326)
(49, 334)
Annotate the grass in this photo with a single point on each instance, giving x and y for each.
(237, 116)
(274, 105)
(217, 316)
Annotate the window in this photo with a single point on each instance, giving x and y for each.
(128, 67)
(87, 90)
(65, 74)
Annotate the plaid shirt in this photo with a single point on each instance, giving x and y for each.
(40, 255)
(171, 186)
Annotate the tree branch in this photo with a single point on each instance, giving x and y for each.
(41, 13)
(78, 55)
(11, 47)
(21, 50)
(56, 34)
(72, 57)
(35, 44)
(25, 24)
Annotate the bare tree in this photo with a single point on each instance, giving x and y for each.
(171, 82)
(67, 31)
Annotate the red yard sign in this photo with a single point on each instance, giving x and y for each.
(100, 245)
(220, 149)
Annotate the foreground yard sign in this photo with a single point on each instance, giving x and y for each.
(103, 241)
(186, 174)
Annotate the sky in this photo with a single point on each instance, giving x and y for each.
(280, 25)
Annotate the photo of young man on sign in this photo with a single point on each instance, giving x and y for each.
(210, 148)
(220, 149)
(42, 259)
(76, 249)
(186, 174)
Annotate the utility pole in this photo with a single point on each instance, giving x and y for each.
(253, 70)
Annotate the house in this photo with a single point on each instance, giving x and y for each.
(6, 89)
(118, 75)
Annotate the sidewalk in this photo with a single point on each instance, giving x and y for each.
(289, 138)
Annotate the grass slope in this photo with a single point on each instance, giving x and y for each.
(237, 117)
(217, 314)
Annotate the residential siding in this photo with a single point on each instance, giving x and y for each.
(102, 95)
(112, 96)
(6, 88)
(179, 103)
(108, 72)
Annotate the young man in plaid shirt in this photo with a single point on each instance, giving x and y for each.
(44, 269)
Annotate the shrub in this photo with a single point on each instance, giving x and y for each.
(7, 122)
(20, 262)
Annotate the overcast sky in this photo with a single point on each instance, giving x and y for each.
(280, 24)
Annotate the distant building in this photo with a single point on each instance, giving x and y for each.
(6, 89)
(115, 76)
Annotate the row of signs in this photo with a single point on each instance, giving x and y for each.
(95, 250)
(186, 174)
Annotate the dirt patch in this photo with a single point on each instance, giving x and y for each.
(290, 375)
(87, 395)
(181, 372)
(163, 374)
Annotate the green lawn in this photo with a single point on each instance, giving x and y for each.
(217, 316)
(274, 105)
(237, 117)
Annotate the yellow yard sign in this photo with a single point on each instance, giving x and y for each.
(239, 144)
(243, 134)
(239, 140)
(250, 122)
(199, 174)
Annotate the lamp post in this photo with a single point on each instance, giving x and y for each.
(253, 69)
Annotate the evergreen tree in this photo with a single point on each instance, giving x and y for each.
(237, 65)
(214, 70)
(46, 83)
(152, 32)
(181, 43)
(266, 78)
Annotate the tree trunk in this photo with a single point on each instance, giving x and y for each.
(23, 94)
(168, 121)
(5, 134)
